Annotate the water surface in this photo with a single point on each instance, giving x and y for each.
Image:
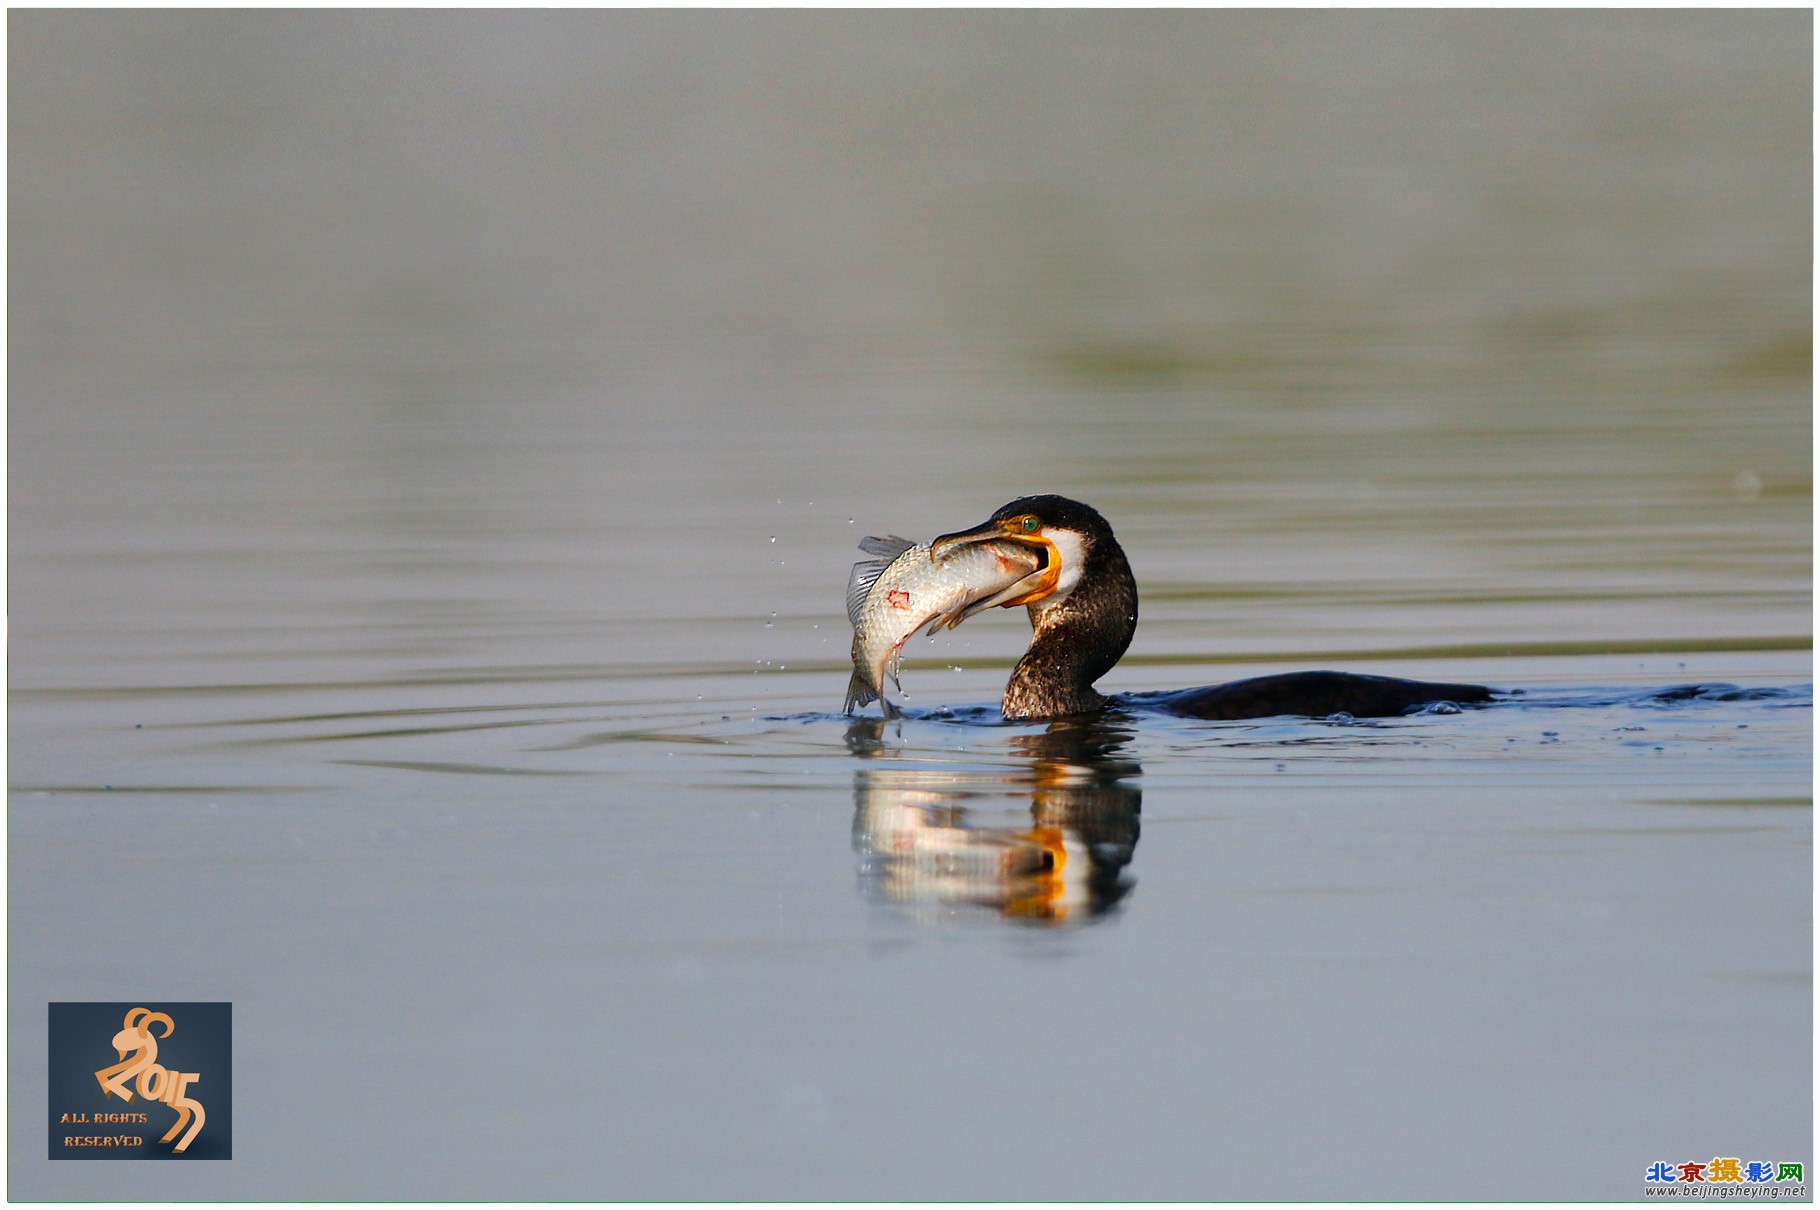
(438, 443)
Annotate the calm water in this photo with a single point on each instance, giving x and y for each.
(438, 443)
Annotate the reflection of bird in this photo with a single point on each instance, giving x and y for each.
(1083, 608)
(928, 837)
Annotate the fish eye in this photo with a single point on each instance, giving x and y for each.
(1031, 525)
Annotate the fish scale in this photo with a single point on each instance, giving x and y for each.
(892, 596)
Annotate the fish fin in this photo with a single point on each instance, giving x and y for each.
(859, 585)
(951, 619)
(866, 572)
(955, 617)
(859, 693)
(890, 710)
(887, 548)
(892, 665)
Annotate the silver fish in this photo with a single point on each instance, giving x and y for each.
(890, 598)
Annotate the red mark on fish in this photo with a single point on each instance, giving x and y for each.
(897, 598)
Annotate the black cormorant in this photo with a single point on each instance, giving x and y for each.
(1083, 606)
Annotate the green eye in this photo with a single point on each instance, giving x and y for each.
(1031, 525)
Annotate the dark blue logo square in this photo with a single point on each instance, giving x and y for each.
(151, 1080)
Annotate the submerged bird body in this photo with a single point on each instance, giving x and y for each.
(891, 597)
(1083, 608)
(1317, 695)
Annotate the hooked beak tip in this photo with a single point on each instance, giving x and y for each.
(940, 547)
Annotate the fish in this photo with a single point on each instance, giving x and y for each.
(890, 597)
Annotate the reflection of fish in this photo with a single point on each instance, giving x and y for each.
(889, 598)
(921, 845)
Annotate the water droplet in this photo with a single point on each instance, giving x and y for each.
(774, 539)
(849, 520)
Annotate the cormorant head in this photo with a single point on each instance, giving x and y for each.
(1082, 599)
(1065, 533)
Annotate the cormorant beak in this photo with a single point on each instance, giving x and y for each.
(989, 531)
(1032, 588)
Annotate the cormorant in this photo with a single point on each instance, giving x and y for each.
(1083, 606)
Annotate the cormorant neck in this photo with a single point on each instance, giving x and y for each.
(1077, 639)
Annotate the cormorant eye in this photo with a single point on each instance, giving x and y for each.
(1031, 525)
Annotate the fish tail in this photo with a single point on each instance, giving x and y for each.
(859, 693)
